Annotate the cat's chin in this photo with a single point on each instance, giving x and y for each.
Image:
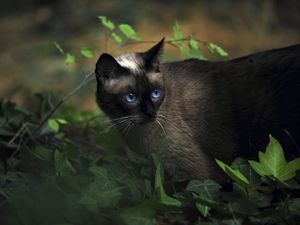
(145, 120)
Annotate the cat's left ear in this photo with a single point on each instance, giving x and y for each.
(152, 56)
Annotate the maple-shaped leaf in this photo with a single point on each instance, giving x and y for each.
(272, 163)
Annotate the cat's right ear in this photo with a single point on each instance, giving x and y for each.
(152, 56)
(107, 67)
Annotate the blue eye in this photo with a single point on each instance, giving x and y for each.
(155, 94)
(130, 98)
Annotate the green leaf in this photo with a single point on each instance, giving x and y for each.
(177, 32)
(215, 49)
(234, 174)
(162, 196)
(203, 209)
(59, 48)
(87, 52)
(272, 163)
(63, 166)
(41, 153)
(194, 49)
(102, 193)
(193, 44)
(232, 221)
(294, 206)
(106, 22)
(99, 172)
(177, 39)
(206, 189)
(117, 38)
(143, 213)
(53, 125)
(293, 165)
(70, 59)
(244, 167)
(129, 32)
(61, 121)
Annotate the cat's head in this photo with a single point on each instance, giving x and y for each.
(131, 85)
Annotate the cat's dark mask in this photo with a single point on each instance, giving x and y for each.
(131, 85)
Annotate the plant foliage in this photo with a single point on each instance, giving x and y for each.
(71, 169)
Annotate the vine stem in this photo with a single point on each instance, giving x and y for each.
(170, 42)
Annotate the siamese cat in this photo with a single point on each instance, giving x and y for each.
(193, 111)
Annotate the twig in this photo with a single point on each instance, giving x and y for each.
(85, 81)
(20, 131)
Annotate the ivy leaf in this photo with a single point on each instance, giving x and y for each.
(215, 49)
(62, 165)
(41, 153)
(162, 196)
(177, 39)
(243, 166)
(129, 32)
(70, 59)
(177, 32)
(234, 174)
(207, 189)
(61, 121)
(102, 193)
(117, 38)
(53, 125)
(193, 44)
(87, 52)
(143, 213)
(106, 22)
(272, 163)
(194, 49)
(294, 165)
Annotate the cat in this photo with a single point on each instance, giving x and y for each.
(194, 111)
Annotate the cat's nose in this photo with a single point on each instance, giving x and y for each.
(149, 112)
(150, 116)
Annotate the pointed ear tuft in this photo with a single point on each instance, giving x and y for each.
(152, 56)
(106, 67)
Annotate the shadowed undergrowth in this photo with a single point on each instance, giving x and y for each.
(62, 166)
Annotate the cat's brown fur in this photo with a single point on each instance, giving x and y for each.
(209, 109)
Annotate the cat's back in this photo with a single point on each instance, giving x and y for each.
(258, 92)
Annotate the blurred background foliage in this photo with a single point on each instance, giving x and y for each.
(74, 157)
(30, 62)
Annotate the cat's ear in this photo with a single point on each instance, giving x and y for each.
(107, 67)
(152, 56)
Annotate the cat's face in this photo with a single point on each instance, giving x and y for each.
(131, 86)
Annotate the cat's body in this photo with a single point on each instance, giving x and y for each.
(222, 110)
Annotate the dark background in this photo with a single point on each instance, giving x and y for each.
(30, 63)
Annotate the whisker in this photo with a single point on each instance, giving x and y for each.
(124, 127)
(128, 129)
(110, 123)
(159, 123)
(162, 117)
(115, 124)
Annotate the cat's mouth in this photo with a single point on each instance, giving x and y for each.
(144, 119)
